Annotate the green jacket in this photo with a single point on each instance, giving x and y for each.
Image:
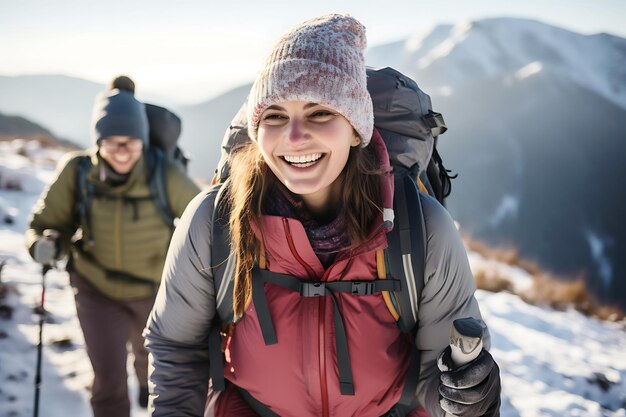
(130, 239)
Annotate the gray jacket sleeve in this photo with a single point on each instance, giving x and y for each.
(178, 327)
(448, 294)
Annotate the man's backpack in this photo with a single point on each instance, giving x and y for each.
(164, 132)
(404, 117)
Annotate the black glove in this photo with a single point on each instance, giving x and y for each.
(472, 390)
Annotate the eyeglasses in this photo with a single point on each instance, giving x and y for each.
(132, 145)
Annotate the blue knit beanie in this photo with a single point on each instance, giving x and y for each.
(118, 113)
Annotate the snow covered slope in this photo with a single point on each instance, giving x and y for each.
(553, 363)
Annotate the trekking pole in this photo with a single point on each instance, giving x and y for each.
(466, 340)
(52, 234)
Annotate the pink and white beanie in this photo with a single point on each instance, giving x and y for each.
(319, 61)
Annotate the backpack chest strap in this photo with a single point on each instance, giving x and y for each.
(316, 289)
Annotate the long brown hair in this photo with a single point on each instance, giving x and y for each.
(251, 179)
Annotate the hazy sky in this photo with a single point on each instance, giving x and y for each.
(189, 50)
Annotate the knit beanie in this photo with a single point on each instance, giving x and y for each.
(117, 113)
(319, 61)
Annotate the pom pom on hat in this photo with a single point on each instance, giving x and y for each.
(122, 82)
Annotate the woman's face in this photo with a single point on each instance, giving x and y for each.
(306, 145)
(121, 152)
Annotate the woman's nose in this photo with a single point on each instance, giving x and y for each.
(297, 131)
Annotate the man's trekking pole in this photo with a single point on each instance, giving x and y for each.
(49, 234)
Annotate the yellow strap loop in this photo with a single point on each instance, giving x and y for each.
(382, 274)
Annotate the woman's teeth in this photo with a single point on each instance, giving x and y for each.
(302, 161)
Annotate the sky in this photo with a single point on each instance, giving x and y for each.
(190, 50)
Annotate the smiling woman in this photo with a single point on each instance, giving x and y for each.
(306, 146)
(305, 215)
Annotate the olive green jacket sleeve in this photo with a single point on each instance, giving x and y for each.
(55, 207)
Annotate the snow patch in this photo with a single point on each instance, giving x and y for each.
(598, 245)
(414, 43)
(508, 208)
(458, 34)
(521, 281)
(530, 69)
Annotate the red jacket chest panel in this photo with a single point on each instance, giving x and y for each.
(298, 375)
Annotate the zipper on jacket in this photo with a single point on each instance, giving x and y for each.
(117, 231)
(322, 355)
(292, 248)
(321, 321)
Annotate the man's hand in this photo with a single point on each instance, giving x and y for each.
(472, 390)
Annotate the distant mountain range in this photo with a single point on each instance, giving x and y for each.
(537, 119)
(19, 127)
(60, 103)
(14, 127)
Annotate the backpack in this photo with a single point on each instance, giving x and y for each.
(409, 127)
(164, 132)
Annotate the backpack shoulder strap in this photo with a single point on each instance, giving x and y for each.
(406, 252)
(157, 181)
(83, 194)
(407, 255)
(222, 266)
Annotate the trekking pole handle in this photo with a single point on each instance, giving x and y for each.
(466, 340)
(53, 235)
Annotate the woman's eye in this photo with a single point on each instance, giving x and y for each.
(274, 116)
(321, 114)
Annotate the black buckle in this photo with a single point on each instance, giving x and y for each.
(362, 287)
(312, 289)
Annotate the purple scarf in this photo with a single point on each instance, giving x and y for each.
(325, 239)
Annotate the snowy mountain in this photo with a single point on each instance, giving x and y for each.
(448, 57)
(553, 363)
(540, 111)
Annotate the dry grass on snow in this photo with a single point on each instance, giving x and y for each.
(547, 289)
